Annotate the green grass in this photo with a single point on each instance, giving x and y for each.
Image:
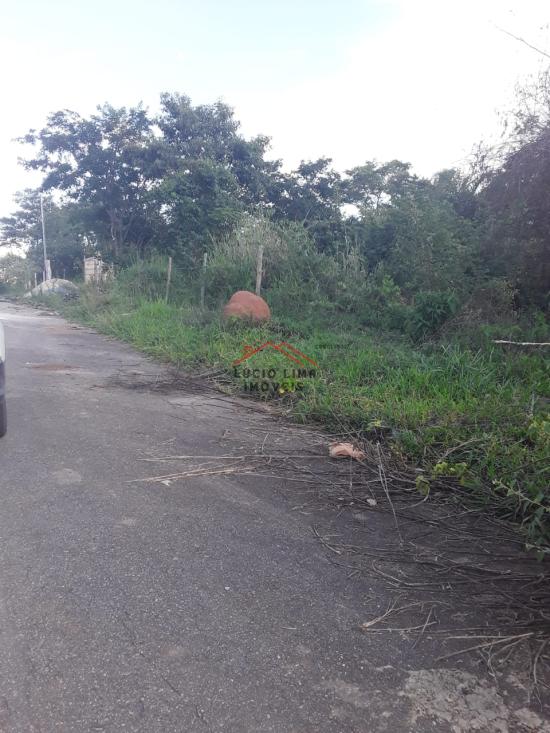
(477, 414)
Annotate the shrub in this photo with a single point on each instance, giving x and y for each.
(296, 277)
(431, 310)
(146, 279)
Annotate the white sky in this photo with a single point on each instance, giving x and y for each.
(420, 81)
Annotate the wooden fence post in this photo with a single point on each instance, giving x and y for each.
(203, 281)
(168, 278)
(259, 267)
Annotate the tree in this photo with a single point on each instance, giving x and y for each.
(14, 272)
(23, 228)
(102, 164)
(172, 183)
(209, 174)
(65, 233)
(211, 133)
(196, 205)
(370, 185)
(516, 194)
(312, 195)
(415, 228)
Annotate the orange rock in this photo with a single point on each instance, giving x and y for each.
(244, 304)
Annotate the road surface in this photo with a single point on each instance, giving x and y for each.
(198, 605)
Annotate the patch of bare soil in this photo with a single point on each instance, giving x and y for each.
(465, 703)
(163, 382)
(52, 367)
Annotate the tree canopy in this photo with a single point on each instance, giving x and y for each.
(125, 183)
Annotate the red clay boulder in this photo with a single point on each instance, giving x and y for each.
(246, 305)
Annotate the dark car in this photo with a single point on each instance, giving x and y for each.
(3, 414)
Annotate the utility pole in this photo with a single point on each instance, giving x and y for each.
(47, 268)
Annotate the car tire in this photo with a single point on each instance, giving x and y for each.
(3, 417)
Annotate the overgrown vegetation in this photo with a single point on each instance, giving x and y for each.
(457, 406)
(397, 285)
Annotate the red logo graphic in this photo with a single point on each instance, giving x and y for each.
(284, 348)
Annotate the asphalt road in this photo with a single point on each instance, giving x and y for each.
(198, 605)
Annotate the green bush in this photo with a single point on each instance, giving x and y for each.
(144, 278)
(431, 310)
